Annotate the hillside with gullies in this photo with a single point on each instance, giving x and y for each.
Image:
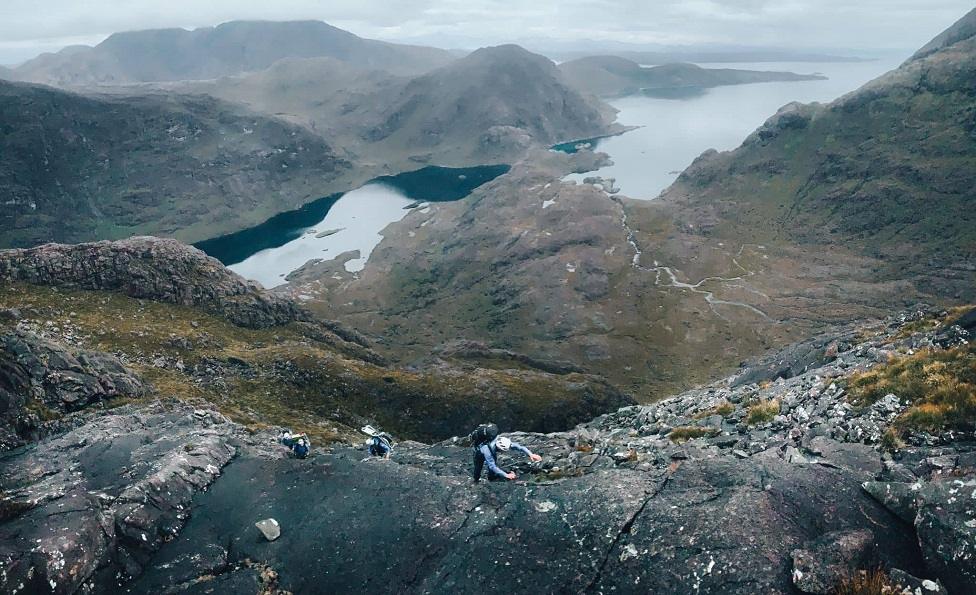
(888, 171)
(142, 387)
(211, 52)
(75, 168)
(486, 107)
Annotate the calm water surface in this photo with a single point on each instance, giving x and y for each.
(676, 131)
(327, 227)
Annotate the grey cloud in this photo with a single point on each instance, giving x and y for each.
(798, 23)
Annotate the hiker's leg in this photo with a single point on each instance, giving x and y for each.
(479, 462)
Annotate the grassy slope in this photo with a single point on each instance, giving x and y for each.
(284, 376)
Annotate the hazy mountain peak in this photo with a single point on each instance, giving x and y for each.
(231, 48)
(963, 29)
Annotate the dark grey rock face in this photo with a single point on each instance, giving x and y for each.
(615, 506)
(823, 565)
(102, 498)
(59, 379)
(416, 524)
(943, 512)
(153, 268)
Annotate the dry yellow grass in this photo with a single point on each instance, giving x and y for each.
(686, 433)
(724, 409)
(867, 582)
(940, 387)
(762, 412)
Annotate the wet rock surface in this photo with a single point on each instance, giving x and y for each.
(92, 505)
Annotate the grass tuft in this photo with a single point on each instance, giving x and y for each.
(762, 412)
(686, 433)
(867, 582)
(724, 409)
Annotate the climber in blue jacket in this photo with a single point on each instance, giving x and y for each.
(487, 454)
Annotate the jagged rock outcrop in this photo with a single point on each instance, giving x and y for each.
(312, 365)
(940, 506)
(53, 380)
(152, 268)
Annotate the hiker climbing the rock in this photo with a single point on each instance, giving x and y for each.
(379, 444)
(299, 445)
(487, 444)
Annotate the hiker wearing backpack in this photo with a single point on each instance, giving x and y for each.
(380, 445)
(299, 445)
(487, 444)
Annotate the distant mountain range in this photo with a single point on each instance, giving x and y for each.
(713, 56)
(211, 52)
(167, 158)
(612, 76)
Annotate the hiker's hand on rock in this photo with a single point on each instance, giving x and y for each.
(510, 475)
(535, 458)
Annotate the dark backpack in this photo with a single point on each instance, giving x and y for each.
(484, 434)
(301, 448)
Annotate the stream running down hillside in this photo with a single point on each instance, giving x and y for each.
(344, 222)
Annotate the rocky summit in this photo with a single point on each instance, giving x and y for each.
(789, 476)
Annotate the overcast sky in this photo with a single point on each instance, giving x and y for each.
(28, 28)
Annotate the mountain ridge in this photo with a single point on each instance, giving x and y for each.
(611, 76)
(209, 52)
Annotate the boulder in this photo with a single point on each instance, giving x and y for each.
(269, 528)
(912, 585)
(946, 528)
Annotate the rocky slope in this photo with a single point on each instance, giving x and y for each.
(84, 324)
(79, 168)
(211, 52)
(610, 76)
(783, 486)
